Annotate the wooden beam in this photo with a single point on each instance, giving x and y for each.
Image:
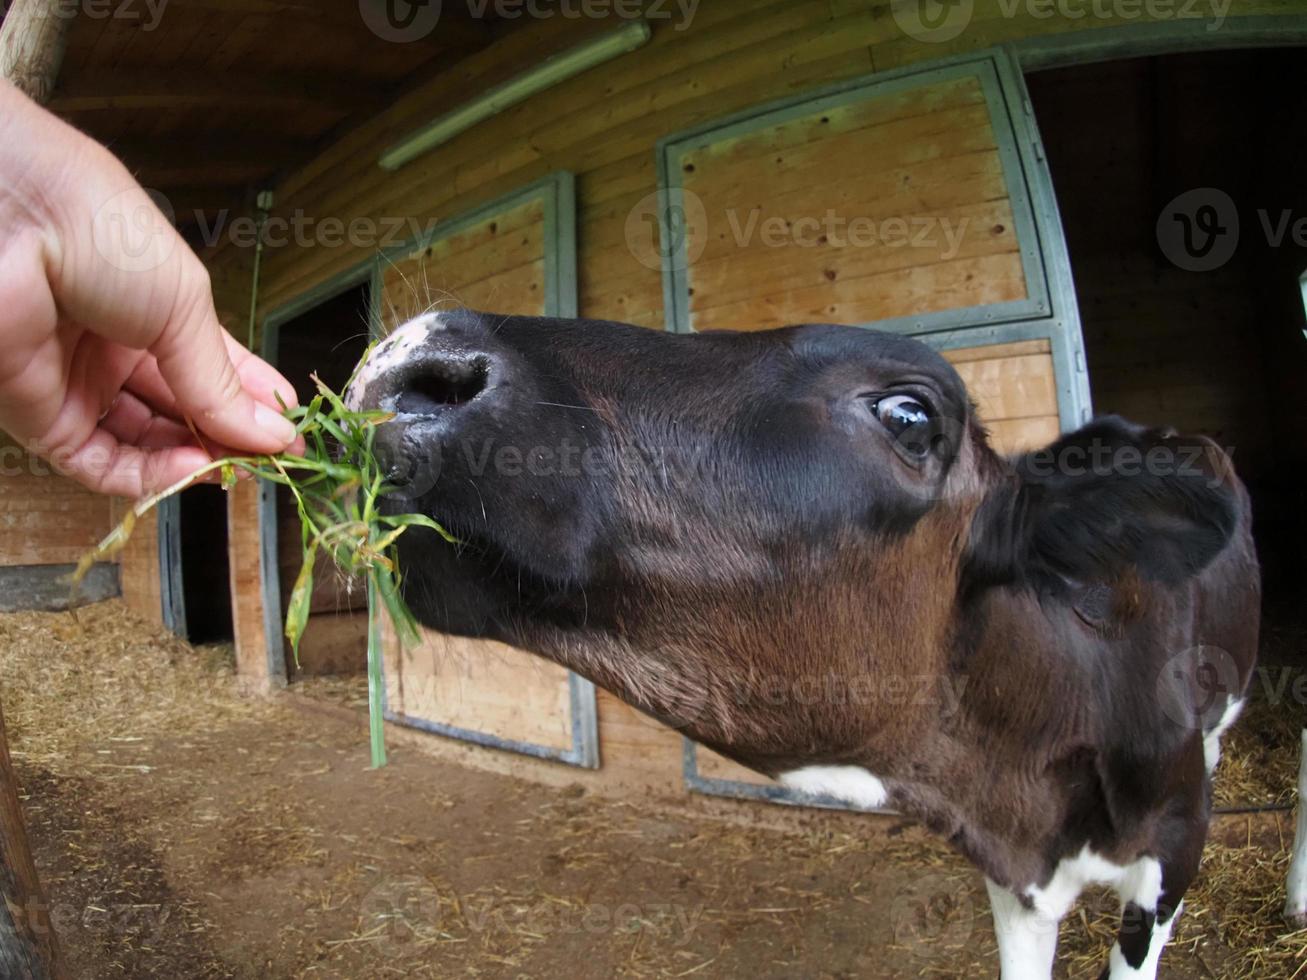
(32, 41)
(456, 29)
(170, 89)
(161, 163)
(28, 948)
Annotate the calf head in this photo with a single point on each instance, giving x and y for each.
(747, 535)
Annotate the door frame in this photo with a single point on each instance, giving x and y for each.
(1125, 41)
(172, 582)
(269, 570)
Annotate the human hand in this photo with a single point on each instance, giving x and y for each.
(109, 341)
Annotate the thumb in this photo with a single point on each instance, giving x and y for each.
(193, 359)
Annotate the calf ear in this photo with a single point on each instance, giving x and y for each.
(1103, 500)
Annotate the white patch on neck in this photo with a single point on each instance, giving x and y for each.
(848, 784)
(1139, 882)
(1212, 740)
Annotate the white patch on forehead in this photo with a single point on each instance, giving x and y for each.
(848, 784)
(391, 352)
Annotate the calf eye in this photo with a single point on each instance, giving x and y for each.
(906, 419)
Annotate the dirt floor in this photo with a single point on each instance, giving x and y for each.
(186, 831)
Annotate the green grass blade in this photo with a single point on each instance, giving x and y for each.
(376, 678)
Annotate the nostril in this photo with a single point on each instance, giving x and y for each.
(444, 384)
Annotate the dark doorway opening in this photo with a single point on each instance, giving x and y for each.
(205, 564)
(1182, 185)
(328, 341)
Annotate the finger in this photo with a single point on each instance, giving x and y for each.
(193, 359)
(106, 465)
(260, 378)
(132, 422)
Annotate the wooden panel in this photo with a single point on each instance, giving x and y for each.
(496, 264)
(247, 608)
(45, 519)
(889, 207)
(902, 292)
(139, 565)
(1015, 392)
(334, 643)
(484, 687)
(713, 766)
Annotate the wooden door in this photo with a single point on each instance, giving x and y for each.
(914, 201)
(515, 255)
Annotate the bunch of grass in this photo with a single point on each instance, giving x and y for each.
(337, 486)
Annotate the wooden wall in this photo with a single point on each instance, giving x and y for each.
(45, 519)
(603, 126)
(139, 566)
(854, 174)
(243, 550)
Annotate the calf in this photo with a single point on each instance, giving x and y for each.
(750, 535)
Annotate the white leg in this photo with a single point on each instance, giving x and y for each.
(1027, 940)
(1120, 969)
(1295, 907)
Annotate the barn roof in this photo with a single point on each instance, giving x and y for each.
(209, 100)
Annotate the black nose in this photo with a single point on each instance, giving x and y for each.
(441, 381)
(437, 390)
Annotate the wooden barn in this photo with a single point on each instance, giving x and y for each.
(1088, 208)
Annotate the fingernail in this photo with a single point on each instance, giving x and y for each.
(273, 423)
